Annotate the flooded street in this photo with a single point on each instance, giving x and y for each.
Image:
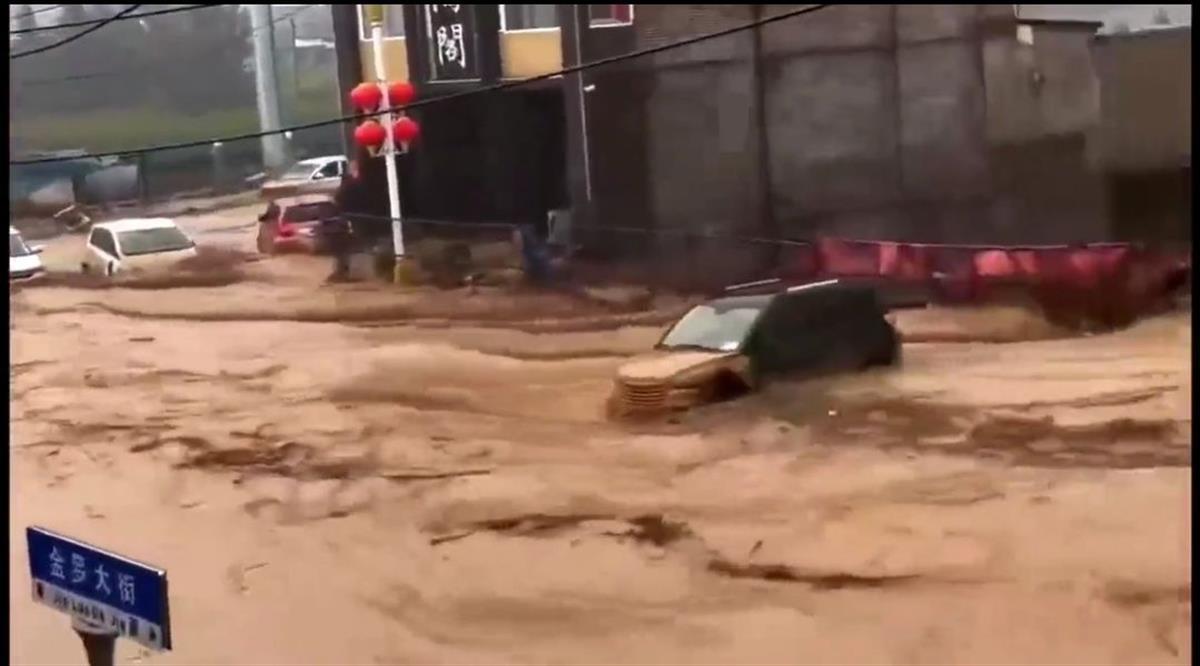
(357, 475)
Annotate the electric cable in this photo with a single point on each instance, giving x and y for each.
(101, 75)
(79, 35)
(35, 12)
(497, 87)
(120, 16)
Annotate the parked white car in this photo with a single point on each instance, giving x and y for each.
(24, 261)
(135, 245)
(316, 175)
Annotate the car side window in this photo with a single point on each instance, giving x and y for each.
(103, 240)
(329, 170)
(796, 333)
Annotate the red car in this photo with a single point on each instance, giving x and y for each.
(293, 224)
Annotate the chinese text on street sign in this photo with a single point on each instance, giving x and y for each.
(452, 42)
(99, 588)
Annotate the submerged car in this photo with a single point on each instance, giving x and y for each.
(731, 345)
(316, 175)
(135, 245)
(295, 224)
(24, 262)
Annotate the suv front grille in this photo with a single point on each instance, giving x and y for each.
(643, 396)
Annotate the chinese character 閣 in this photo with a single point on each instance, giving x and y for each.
(451, 46)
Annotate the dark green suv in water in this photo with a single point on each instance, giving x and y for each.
(730, 345)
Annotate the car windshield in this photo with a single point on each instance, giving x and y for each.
(712, 327)
(310, 212)
(17, 247)
(153, 241)
(298, 171)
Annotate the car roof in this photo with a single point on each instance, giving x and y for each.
(303, 199)
(314, 161)
(749, 301)
(136, 224)
(762, 300)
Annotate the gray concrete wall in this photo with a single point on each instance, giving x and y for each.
(863, 121)
(1146, 107)
(1047, 88)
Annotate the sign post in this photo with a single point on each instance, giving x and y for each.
(106, 595)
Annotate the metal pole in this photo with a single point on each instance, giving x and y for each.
(389, 151)
(295, 75)
(100, 646)
(581, 90)
(267, 88)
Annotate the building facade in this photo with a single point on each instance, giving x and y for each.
(927, 123)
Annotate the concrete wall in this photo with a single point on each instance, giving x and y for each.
(1146, 102)
(874, 119)
(1047, 88)
(888, 122)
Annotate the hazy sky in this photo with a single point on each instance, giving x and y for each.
(1133, 17)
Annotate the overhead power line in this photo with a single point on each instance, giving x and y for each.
(35, 12)
(506, 85)
(78, 35)
(119, 16)
(136, 70)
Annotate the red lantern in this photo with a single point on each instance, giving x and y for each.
(370, 134)
(405, 131)
(401, 93)
(366, 96)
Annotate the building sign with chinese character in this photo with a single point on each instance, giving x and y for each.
(99, 588)
(452, 44)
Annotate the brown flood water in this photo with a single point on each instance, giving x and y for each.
(337, 493)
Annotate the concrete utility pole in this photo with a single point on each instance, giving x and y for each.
(274, 146)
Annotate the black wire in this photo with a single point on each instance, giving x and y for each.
(433, 100)
(76, 24)
(34, 12)
(125, 72)
(78, 35)
(678, 232)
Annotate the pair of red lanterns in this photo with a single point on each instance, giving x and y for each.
(367, 98)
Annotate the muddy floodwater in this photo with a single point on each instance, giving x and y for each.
(357, 475)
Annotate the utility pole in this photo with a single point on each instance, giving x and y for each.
(274, 147)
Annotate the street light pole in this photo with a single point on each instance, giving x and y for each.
(375, 15)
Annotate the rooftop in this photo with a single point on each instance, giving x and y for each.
(137, 224)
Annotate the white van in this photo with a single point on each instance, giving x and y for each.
(135, 244)
(24, 262)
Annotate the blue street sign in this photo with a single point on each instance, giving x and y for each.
(101, 589)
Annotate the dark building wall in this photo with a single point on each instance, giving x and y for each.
(862, 121)
(1146, 100)
(874, 118)
(606, 132)
(349, 64)
(1144, 143)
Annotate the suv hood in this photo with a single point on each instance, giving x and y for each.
(663, 365)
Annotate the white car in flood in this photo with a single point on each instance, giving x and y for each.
(135, 245)
(24, 262)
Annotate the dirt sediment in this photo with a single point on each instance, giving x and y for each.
(403, 493)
